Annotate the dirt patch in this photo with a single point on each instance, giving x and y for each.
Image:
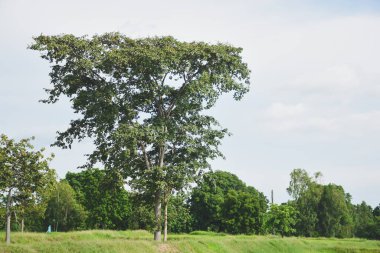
(166, 248)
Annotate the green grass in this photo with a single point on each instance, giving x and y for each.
(198, 241)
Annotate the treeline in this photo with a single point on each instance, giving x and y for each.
(220, 202)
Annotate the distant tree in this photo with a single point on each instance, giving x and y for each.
(306, 193)
(299, 183)
(208, 196)
(103, 196)
(367, 221)
(376, 211)
(22, 173)
(35, 215)
(307, 207)
(281, 219)
(181, 220)
(63, 211)
(221, 202)
(243, 212)
(334, 218)
(375, 228)
(2, 214)
(144, 101)
(363, 219)
(143, 215)
(24, 201)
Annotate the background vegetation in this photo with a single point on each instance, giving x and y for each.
(220, 202)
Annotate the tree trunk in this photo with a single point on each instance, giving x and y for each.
(8, 214)
(166, 221)
(157, 206)
(16, 220)
(22, 225)
(167, 195)
(157, 213)
(8, 233)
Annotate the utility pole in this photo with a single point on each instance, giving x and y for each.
(271, 196)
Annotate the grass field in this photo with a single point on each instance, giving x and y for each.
(202, 242)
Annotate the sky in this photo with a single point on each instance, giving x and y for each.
(314, 101)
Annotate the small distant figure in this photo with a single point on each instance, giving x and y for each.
(49, 229)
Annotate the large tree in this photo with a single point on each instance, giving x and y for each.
(143, 102)
(22, 173)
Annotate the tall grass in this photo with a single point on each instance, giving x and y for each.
(199, 241)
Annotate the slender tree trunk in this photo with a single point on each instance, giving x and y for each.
(157, 213)
(8, 214)
(8, 233)
(22, 225)
(57, 210)
(166, 221)
(167, 195)
(157, 206)
(16, 220)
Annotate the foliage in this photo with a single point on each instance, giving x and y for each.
(333, 213)
(208, 196)
(2, 215)
(22, 168)
(237, 212)
(363, 219)
(299, 183)
(22, 173)
(33, 213)
(103, 196)
(37, 214)
(376, 211)
(375, 228)
(143, 215)
(143, 102)
(63, 212)
(324, 210)
(181, 220)
(306, 193)
(367, 221)
(307, 207)
(281, 219)
(222, 202)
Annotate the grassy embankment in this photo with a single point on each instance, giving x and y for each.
(203, 242)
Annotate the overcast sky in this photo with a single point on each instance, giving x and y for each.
(315, 96)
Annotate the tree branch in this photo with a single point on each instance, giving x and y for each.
(146, 158)
(187, 81)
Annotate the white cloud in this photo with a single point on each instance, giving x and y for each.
(280, 110)
(337, 79)
(318, 120)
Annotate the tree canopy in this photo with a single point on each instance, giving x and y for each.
(103, 196)
(281, 219)
(63, 212)
(143, 101)
(221, 202)
(22, 173)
